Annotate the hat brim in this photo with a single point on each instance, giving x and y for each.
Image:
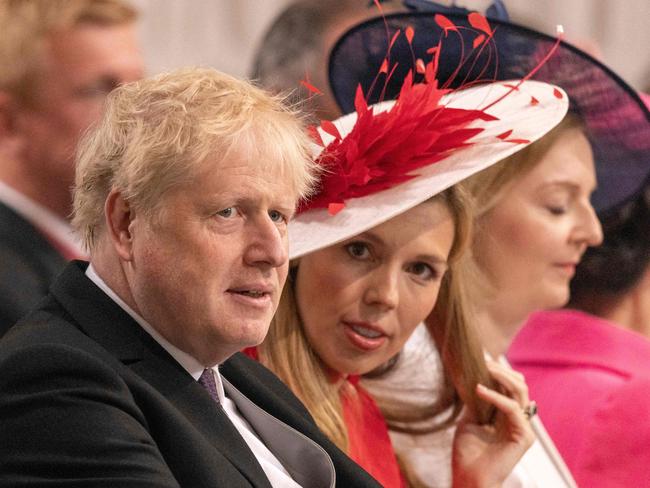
(317, 229)
(616, 120)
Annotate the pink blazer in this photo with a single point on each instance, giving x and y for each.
(591, 381)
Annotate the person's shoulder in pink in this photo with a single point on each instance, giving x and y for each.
(591, 381)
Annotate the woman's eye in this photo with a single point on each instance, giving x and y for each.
(557, 210)
(422, 271)
(358, 250)
(558, 205)
(277, 216)
(227, 213)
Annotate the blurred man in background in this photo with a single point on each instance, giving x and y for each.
(297, 45)
(59, 59)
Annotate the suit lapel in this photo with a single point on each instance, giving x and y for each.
(106, 323)
(254, 388)
(306, 461)
(267, 392)
(207, 416)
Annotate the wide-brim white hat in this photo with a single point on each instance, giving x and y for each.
(317, 228)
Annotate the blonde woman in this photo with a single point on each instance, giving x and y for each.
(535, 214)
(374, 249)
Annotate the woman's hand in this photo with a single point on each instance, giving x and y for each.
(484, 455)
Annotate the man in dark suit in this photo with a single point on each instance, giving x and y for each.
(128, 373)
(59, 59)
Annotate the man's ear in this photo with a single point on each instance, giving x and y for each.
(119, 214)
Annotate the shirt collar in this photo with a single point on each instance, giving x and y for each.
(189, 363)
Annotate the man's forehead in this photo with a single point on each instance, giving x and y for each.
(248, 179)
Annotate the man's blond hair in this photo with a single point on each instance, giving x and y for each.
(25, 26)
(158, 134)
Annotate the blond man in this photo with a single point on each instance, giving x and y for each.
(59, 59)
(129, 373)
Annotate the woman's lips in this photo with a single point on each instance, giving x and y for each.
(568, 268)
(364, 336)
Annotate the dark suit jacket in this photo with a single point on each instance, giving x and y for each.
(88, 398)
(28, 264)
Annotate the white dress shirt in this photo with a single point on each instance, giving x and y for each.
(275, 472)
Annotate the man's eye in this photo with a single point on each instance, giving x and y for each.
(277, 216)
(227, 213)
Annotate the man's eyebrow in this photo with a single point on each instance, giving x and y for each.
(235, 198)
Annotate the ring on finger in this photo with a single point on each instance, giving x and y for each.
(530, 410)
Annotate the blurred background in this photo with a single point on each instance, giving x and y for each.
(225, 33)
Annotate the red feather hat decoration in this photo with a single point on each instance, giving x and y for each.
(383, 159)
(383, 149)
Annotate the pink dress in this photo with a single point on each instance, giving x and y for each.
(591, 381)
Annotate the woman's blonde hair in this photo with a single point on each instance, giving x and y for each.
(487, 189)
(490, 185)
(287, 352)
(452, 324)
(451, 327)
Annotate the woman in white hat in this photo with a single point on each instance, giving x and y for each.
(372, 251)
(533, 221)
(535, 216)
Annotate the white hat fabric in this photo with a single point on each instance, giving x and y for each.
(316, 228)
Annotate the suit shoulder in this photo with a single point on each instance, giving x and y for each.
(42, 326)
(68, 412)
(42, 343)
(46, 340)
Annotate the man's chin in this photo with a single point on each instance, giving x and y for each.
(256, 333)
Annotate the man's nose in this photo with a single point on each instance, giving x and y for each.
(268, 244)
